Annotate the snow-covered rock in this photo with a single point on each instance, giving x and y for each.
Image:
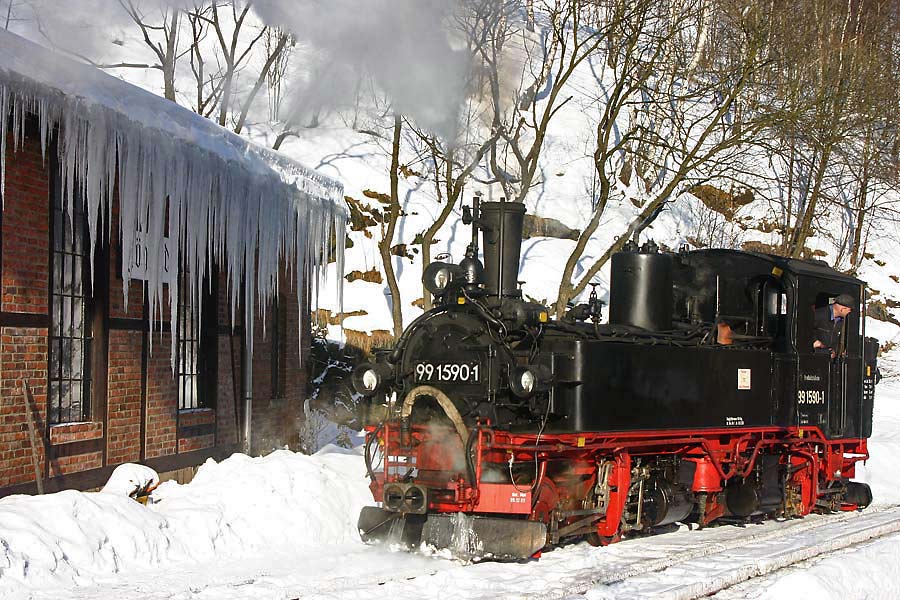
(130, 479)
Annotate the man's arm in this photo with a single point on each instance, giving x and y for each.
(822, 337)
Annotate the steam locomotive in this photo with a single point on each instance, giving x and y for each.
(702, 399)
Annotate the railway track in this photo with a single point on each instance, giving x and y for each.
(708, 569)
(675, 566)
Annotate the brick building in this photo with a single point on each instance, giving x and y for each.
(141, 245)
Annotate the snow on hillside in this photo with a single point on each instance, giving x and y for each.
(566, 186)
(564, 193)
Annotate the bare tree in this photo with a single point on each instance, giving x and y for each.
(522, 120)
(216, 57)
(165, 49)
(232, 53)
(276, 74)
(453, 167)
(389, 228)
(682, 128)
(273, 55)
(207, 85)
(11, 14)
(830, 119)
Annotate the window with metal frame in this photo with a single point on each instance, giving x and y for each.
(69, 370)
(189, 396)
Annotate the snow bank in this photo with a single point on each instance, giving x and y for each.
(237, 508)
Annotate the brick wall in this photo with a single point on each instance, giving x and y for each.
(162, 399)
(137, 419)
(125, 390)
(277, 413)
(15, 443)
(229, 384)
(26, 228)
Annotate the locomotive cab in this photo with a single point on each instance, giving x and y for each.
(833, 385)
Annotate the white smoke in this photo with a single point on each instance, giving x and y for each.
(404, 46)
(92, 29)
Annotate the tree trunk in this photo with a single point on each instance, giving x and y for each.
(862, 199)
(171, 59)
(393, 215)
(804, 228)
(263, 74)
(428, 236)
(566, 289)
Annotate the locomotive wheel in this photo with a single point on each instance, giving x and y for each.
(597, 540)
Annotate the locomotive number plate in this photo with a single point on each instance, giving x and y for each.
(448, 372)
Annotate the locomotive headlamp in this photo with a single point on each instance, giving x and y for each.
(439, 275)
(369, 378)
(442, 279)
(525, 381)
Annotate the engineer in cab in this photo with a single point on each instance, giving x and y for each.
(829, 325)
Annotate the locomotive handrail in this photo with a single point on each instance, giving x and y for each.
(368, 456)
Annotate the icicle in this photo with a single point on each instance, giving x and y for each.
(231, 205)
(4, 119)
(339, 226)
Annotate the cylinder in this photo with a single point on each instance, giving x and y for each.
(640, 290)
(859, 494)
(502, 239)
(742, 498)
(664, 504)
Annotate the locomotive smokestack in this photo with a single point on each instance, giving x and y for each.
(502, 234)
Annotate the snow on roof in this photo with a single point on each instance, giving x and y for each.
(33, 68)
(230, 202)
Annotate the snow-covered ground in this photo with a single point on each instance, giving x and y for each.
(283, 526)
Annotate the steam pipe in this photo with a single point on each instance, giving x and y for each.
(443, 400)
(476, 214)
(501, 280)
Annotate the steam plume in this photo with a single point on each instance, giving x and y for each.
(403, 45)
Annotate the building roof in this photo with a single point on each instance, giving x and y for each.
(30, 70)
(226, 200)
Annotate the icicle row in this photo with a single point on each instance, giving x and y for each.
(221, 211)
